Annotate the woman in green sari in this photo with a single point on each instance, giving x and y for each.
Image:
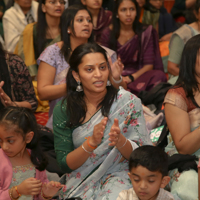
(96, 127)
(37, 36)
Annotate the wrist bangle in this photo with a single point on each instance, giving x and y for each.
(119, 81)
(15, 104)
(92, 147)
(17, 191)
(85, 149)
(46, 198)
(123, 144)
(10, 194)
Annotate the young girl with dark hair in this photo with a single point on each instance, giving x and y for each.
(136, 45)
(22, 162)
(182, 113)
(101, 18)
(96, 127)
(37, 36)
(76, 29)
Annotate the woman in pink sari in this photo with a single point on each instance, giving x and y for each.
(136, 45)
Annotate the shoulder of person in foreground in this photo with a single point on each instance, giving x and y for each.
(127, 195)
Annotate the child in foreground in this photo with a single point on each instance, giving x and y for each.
(148, 166)
(22, 168)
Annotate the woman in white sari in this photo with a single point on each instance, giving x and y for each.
(96, 127)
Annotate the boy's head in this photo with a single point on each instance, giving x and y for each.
(148, 166)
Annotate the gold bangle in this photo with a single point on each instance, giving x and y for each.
(46, 198)
(10, 194)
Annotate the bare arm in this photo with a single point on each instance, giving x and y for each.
(190, 3)
(141, 71)
(46, 88)
(172, 68)
(178, 121)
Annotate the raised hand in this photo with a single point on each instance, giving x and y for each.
(5, 99)
(116, 68)
(98, 132)
(30, 186)
(51, 188)
(115, 133)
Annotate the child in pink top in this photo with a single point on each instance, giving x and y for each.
(22, 168)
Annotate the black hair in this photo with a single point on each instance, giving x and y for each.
(137, 27)
(24, 120)
(197, 6)
(41, 29)
(151, 157)
(67, 20)
(76, 106)
(187, 74)
(74, 2)
(150, 7)
(4, 73)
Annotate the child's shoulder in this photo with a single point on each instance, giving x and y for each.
(127, 194)
(164, 194)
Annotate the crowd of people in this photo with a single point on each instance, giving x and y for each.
(90, 60)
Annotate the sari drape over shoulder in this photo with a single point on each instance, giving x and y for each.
(136, 53)
(26, 47)
(103, 21)
(102, 176)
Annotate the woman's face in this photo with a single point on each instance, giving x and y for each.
(127, 12)
(92, 4)
(93, 73)
(53, 8)
(141, 2)
(24, 4)
(82, 25)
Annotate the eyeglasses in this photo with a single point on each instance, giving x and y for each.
(54, 2)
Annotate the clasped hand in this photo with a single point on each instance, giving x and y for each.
(32, 186)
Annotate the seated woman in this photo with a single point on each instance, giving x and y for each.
(136, 45)
(178, 40)
(182, 113)
(96, 127)
(34, 39)
(15, 20)
(76, 29)
(101, 18)
(16, 88)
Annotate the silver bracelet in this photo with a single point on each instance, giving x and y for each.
(117, 82)
(85, 149)
(123, 144)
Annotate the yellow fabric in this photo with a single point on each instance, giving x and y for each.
(43, 106)
(25, 49)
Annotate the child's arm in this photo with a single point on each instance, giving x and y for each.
(30, 186)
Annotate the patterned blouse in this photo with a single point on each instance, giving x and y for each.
(21, 83)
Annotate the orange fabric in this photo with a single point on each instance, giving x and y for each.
(141, 15)
(42, 117)
(164, 48)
